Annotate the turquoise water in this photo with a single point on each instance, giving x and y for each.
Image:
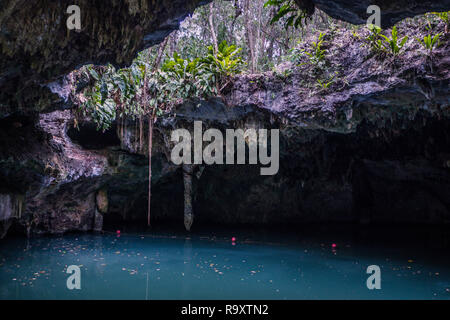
(164, 266)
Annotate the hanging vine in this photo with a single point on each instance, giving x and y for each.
(136, 92)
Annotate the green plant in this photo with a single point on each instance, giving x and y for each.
(203, 76)
(355, 34)
(373, 40)
(445, 17)
(96, 102)
(295, 17)
(324, 84)
(223, 65)
(295, 56)
(116, 94)
(317, 54)
(133, 92)
(285, 73)
(430, 43)
(282, 73)
(393, 44)
(186, 78)
(428, 21)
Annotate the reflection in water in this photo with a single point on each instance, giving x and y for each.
(295, 265)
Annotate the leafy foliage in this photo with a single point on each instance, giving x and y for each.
(430, 43)
(325, 84)
(374, 40)
(379, 43)
(394, 45)
(225, 64)
(111, 91)
(120, 93)
(187, 78)
(445, 17)
(203, 76)
(295, 17)
(317, 54)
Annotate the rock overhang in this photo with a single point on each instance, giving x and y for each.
(38, 49)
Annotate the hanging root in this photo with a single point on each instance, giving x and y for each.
(150, 147)
(188, 212)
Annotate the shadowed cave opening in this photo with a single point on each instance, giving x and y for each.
(90, 137)
(398, 176)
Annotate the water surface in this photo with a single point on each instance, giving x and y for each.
(205, 266)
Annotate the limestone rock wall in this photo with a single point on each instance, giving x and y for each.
(375, 147)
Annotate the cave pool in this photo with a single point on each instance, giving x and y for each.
(209, 265)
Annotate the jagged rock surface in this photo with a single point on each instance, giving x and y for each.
(38, 51)
(391, 11)
(375, 146)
